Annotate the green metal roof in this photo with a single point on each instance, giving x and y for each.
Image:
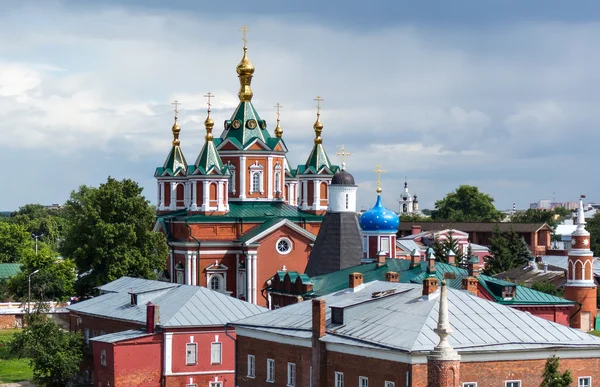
(317, 160)
(249, 211)
(9, 270)
(208, 159)
(249, 126)
(174, 163)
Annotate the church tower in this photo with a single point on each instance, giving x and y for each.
(406, 201)
(581, 286)
(316, 174)
(171, 177)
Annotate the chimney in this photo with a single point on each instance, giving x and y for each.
(355, 280)
(430, 285)
(451, 257)
(381, 256)
(473, 267)
(318, 318)
(392, 276)
(319, 349)
(470, 284)
(152, 317)
(415, 258)
(538, 259)
(415, 229)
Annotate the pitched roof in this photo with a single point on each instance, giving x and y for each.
(528, 275)
(208, 159)
(474, 226)
(9, 270)
(259, 231)
(121, 336)
(405, 322)
(338, 244)
(174, 163)
(135, 285)
(318, 160)
(180, 305)
(245, 125)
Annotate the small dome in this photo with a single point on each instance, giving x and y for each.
(342, 178)
(379, 218)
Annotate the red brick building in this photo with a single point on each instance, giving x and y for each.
(152, 333)
(241, 212)
(390, 334)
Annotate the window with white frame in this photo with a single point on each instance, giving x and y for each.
(270, 370)
(215, 353)
(103, 357)
(389, 384)
(216, 282)
(284, 246)
(277, 182)
(191, 351)
(291, 375)
(584, 381)
(231, 177)
(339, 379)
(384, 245)
(469, 384)
(256, 180)
(513, 383)
(365, 244)
(216, 384)
(251, 366)
(363, 381)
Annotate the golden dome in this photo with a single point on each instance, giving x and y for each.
(318, 127)
(209, 123)
(176, 129)
(245, 67)
(278, 131)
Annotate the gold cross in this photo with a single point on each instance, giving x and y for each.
(176, 103)
(208, 96)
(379, 171)
(318, 99)
(278, 106)
(244, 30)
(342, 153)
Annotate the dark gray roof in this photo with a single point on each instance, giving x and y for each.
(528, 275)
(342, 178)
(338, 244)
(405, 322)
(120, 336)
(180, 306)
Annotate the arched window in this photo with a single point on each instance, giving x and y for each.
(256, 182)
(277, 182)
(215, 282)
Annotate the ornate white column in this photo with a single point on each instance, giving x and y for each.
(254, 280)
(162, 196)
(249, 278)
(220, 198)
(317, 194)
(304, 197)
(194, 205)
(158, 198)
(188, 268)
(173, 204)
(242, 172)
(205, 196)
(270, 177)
(194, 273)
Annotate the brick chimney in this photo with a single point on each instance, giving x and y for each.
(355, 280)
(152, 317)
(470, 284)
(392, 276)
(415, 258)
(381, 256)
(451, 257)
(319, 349)
(430, 283)
(415, 229)
(473, 267)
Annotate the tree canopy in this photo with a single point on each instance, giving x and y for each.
(507, 251)
(14, 241)
(42, 221)
(593, 226)
(442, 247)
(467, 204)
(553, 377)
(551, 217)
(108, 234)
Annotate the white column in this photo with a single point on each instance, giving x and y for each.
(237, 275)
(205, 196)
(194, 271)
(220, 199)
(242, 172)
(249, 278)
(270, 177)
(161, 206)
(254, 280)
(168, 355)
(194, 205)
(304, 198)
(188, 268)
(173, 195)
(317, 192)
(158, 198)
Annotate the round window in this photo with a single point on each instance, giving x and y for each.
(284, 246)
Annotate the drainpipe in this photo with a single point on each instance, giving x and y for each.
(235, 368)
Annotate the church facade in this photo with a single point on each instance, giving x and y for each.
(240, 212)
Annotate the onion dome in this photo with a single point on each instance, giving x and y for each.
(379, 218)
(245, 69)
(342, 178)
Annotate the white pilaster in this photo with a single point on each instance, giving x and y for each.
(205, 196)
(249, 278)
(194, 205)
(194, 272)
(304, 198)
(161, 206)
(173, 196)
(220, 199)
(188, 268)
(168, 355)
(158, 198)
(317, 194)
(270, 177)
(242, 172)
(254, 280)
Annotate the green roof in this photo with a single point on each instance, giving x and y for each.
(246, 126)
(9, 270)
(174, 162)
(317, 160)
(249, 211)
(208, 159)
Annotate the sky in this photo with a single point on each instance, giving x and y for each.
(503, 95)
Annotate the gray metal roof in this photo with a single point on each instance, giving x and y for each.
(408, 245)
(405, 322)
(562, 262)
(137, 285)
(120, 336)
(180, 306)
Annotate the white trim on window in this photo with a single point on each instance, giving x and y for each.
(291, 374)
(216, 355)
(389, 384)
(512, 383)
(251, 370)
(469, 384)
(284, 246)
(363, 381)
(216, 384)
(581, 379)
(270, 370)
(191, 353)
(339, 379)
(103, 358)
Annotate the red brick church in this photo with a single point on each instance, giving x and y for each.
(240, 212)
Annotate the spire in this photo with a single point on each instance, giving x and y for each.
(444, 350)
(581, 214)
(245, 69)
(278, 130)
(379, 171)
(209, 158)
(318, 126)
(176, 129)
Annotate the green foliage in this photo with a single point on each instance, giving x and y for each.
(442, 248)
(508, 250)
(467, 204)
(426, 211)
(55, 354)
(12, 368)
(551, 217)
(54, 281)
(109, 233)
(553, 377)
(547, 287)
(412, 218)
(593, 226)
(39, 220)
(14, 241)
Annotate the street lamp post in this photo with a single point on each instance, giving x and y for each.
(29, 291)
(36, 241)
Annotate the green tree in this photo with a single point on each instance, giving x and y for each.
(553, 377)
(507, 251)
(54, 281)
(109, 234)
(547, 287)
(551, 217)
(14, 241)
(442, 247)
(410, 218)
(467, 204)
(55, 354)
(39, 220)
(593, 226)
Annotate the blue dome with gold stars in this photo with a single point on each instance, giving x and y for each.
(379, 218)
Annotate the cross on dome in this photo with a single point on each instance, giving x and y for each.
(244, 30)
(379, 171)
(343, 154)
